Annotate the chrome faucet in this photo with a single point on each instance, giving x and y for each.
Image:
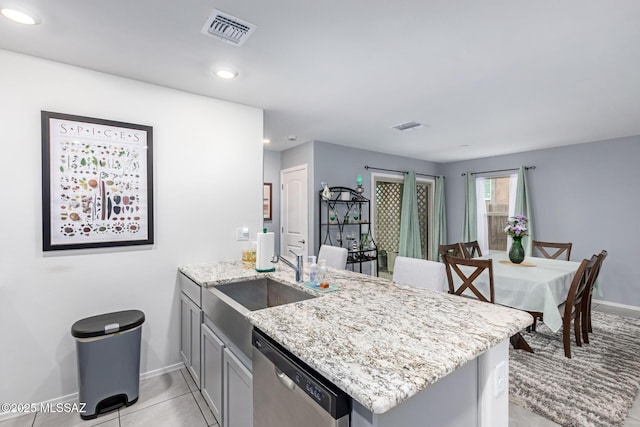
(297, 268)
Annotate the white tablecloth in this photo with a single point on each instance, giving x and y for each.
(540, 288)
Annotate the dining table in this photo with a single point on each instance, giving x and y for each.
(536, 285)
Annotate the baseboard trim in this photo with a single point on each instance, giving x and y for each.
(161, 371)
(615, 304)
(74, 396)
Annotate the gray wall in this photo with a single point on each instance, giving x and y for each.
(207, 173)
(271, 173)
(301, 154)
(585, 194)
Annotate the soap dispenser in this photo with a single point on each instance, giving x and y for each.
(313, 271)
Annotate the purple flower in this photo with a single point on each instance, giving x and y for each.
(517, 226)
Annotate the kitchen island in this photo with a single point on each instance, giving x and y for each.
(406, 356)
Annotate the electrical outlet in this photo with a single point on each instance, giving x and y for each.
(242, 233)
(501, 378)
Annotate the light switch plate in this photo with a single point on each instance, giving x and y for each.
(242, 233)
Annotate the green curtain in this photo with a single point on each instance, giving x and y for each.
(409, 221)
(523, 207)
(439, 219)
(470, 221)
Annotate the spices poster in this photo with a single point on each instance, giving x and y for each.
(97, 182)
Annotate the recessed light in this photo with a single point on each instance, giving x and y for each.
(266, 141)
(226, 73)
(292, 137)
(19, 16)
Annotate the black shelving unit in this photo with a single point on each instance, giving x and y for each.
(345, 222)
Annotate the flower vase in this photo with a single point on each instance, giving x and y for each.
(516, 253)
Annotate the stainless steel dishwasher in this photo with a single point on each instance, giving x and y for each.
(288, 393)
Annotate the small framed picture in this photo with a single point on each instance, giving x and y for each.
(266, 202)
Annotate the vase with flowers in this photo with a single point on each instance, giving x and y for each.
(517, 229)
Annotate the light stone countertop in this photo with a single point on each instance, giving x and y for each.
(378, 341)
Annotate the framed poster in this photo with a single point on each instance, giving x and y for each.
(97, 183)
(266, 202)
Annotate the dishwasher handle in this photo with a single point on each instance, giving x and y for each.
(284, 379)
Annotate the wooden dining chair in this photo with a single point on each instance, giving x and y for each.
(586, 308)
(471, 249)
(551, 250)
(453, 249)
(453, 264)
(571, 308)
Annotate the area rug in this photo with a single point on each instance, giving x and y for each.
(596, 387)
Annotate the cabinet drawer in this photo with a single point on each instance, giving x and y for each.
(190, 288)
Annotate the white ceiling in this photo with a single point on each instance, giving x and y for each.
(487, 77)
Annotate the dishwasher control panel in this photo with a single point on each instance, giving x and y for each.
(310, 387)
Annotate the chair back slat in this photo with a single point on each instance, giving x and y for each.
(453, 249)
(586, 301)
(454, 264)
(595, 272)
(578, 286)
(471, 249)
(573, 303)
(551, 250)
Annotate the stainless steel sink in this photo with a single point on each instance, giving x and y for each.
(226, 305)
(262, 293)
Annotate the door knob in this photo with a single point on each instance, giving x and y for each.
(301, 241)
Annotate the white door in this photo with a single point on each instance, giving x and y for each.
(294, 206)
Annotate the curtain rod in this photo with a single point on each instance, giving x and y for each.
(393, 170)
(500, 170)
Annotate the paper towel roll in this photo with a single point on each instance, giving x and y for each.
(264, 251)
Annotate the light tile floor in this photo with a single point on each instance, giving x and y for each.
(170, 400)
(173, 400)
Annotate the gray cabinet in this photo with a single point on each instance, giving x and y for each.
(238, 391)
(190, 324)
(227, 382)
(212, 370)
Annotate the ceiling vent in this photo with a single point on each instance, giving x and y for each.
(408, 126)
(228, 28)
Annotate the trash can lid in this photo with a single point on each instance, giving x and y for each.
(108, 323)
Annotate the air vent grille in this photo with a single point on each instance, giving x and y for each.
(407, 126)
(228, 28)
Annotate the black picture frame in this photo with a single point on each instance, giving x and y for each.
(97, 183)
(267, 205)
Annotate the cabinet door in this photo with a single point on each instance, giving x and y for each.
(191, 319)
(238, 384)
(196, 325)
(185, 329)
(211, 371)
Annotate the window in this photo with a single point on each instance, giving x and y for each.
(487, 189)
(387, 203)
(497, 208)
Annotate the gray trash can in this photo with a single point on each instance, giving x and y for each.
(108, 351)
